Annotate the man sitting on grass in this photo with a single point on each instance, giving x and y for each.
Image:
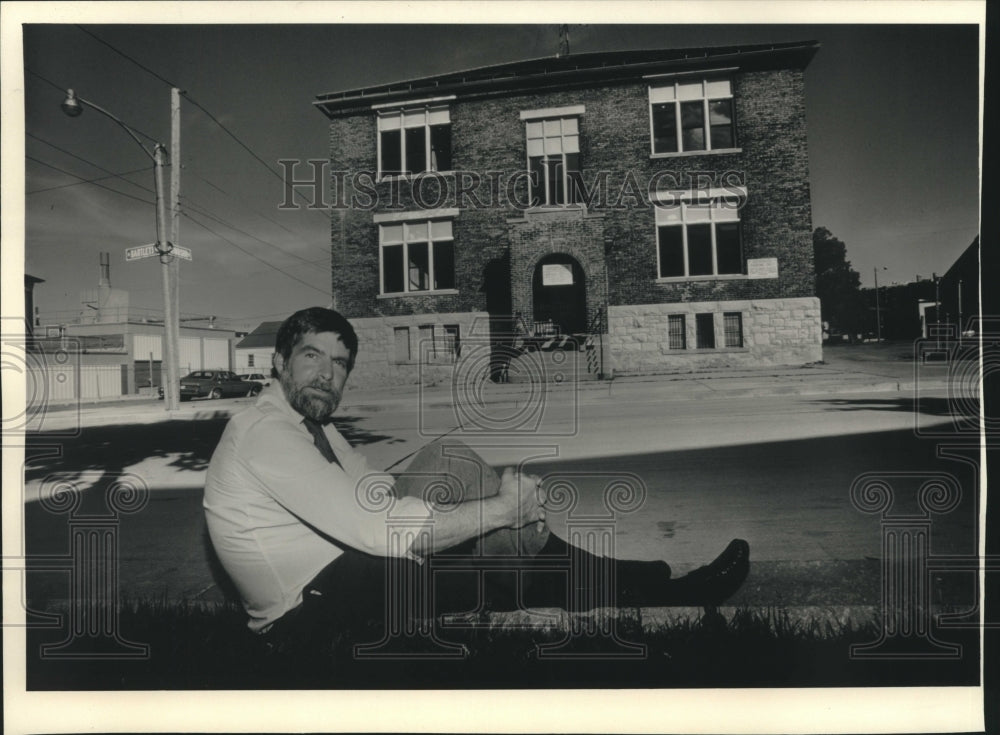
(311, 536)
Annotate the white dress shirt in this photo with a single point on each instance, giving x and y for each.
(278, 512)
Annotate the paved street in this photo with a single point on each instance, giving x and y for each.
(775, 470)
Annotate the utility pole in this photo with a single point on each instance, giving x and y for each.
(878, 311)
(171, 384)
(73, 107)
(959, 309)
(563, 40)
(937, 308)
(175, 216)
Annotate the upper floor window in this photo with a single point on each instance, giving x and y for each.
(553, 157)
(692, 115)
(416, 256)
(413, 141)
(698, 239)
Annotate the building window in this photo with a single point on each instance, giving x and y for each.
(250, 360)
(705, 331)
(733, 327)
(428, 350)
(401, 344)
(416, 256)
(414, 141)
(553, 157)
(452, 341)
(692, 115)
(676, 329)
(700, 239)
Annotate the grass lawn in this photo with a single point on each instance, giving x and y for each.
(201, 646)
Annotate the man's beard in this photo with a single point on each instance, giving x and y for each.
(317, 404)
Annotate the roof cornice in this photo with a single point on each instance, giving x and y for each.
(568, 72)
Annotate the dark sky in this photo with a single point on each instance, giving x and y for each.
(892, 111)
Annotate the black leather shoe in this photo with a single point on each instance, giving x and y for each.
(714, 583)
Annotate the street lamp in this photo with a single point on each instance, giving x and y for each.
(73, 107)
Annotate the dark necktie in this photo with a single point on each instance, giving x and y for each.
(321, 442)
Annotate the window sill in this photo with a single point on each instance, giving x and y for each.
(404, 294)
(383, 179)
(707, 350)
(685, 154)
(545, 208)
(687, 279)
(576, 210)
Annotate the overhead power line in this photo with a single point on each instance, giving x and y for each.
(247, 148)
(89, 181)
(232, 135)
(205, 110)
(111, 174)
(262, 216)
(254, 255)
(124, 55)
(218, 220)
(91, 163)
(93, 183)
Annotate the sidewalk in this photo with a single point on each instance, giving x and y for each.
(846, 369)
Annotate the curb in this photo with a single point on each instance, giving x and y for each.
(697, 389)
(654, 619)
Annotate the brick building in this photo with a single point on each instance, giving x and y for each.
(657, 199)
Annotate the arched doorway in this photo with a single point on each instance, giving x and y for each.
(559, 291)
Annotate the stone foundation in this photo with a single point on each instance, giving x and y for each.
(775, 332)
(381, 362)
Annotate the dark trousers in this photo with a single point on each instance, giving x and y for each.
(359, 596)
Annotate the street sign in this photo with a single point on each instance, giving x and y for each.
(148, 251)
(141, 251)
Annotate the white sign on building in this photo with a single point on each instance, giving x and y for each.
(557, 274)
(762, 267)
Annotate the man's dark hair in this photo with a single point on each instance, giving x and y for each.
(313, 320)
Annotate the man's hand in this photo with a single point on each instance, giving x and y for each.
(520, 498)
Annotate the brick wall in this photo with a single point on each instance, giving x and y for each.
(572, 232)
(615, 245)
(488, 136)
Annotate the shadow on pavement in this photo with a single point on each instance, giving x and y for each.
(189, 445)
(926, 405)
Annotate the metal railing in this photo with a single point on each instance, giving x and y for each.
(594, 343)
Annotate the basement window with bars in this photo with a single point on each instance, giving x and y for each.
(704, 325)
(416, 256)
(452, 341)
(413, 141)
(732, 322)
(676, 328)
(692, 115)
(401, 344)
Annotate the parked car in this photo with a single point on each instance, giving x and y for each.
(264, 380)
(215, 384)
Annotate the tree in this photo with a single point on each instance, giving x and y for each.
(838, 286)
